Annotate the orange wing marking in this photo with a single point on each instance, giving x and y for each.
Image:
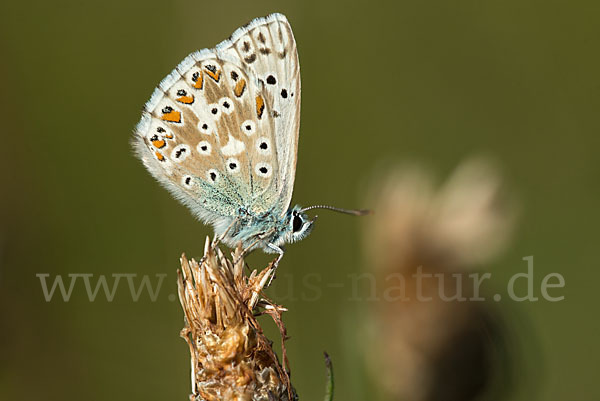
(260, 105)
(239, 88)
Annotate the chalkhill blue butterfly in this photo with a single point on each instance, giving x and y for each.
(220, 132)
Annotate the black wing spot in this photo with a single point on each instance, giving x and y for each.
(195, 76)
(211, 68)
(167, 109)
(187, 180)
(271, 80)
(181, 92)
(250, 59)
(214, 110)
(261, 37)
(179, 153)
(232, 166)
(226, 104)
(284, 93)
(234, 75)
(264, 50)
(160, 130)
(263, 170)
(213, 175)
(263, 146)
(204, 126)
(246, 46)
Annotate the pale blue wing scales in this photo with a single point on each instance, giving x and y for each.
(179, 142)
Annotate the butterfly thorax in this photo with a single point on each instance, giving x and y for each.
(268, 231)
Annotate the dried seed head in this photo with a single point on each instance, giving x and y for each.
(231, 359)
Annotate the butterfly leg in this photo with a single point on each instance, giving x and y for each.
(280, 251)
(246, 250)
(218, 239)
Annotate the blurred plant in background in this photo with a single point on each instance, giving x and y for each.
(422, 346)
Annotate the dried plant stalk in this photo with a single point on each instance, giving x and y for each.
(230, 357)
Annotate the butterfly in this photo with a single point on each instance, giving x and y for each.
(220, 132)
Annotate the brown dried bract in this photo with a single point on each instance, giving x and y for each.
(231, 358)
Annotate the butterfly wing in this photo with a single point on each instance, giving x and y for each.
(268, 48)
(207, 132)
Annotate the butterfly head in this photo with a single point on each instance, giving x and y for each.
(298, 224)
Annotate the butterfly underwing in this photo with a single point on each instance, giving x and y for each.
(220, 132)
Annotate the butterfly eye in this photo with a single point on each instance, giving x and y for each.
(297, 223)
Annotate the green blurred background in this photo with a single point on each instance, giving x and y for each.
(432, 82)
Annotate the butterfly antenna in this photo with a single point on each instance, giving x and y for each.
(360, 212)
